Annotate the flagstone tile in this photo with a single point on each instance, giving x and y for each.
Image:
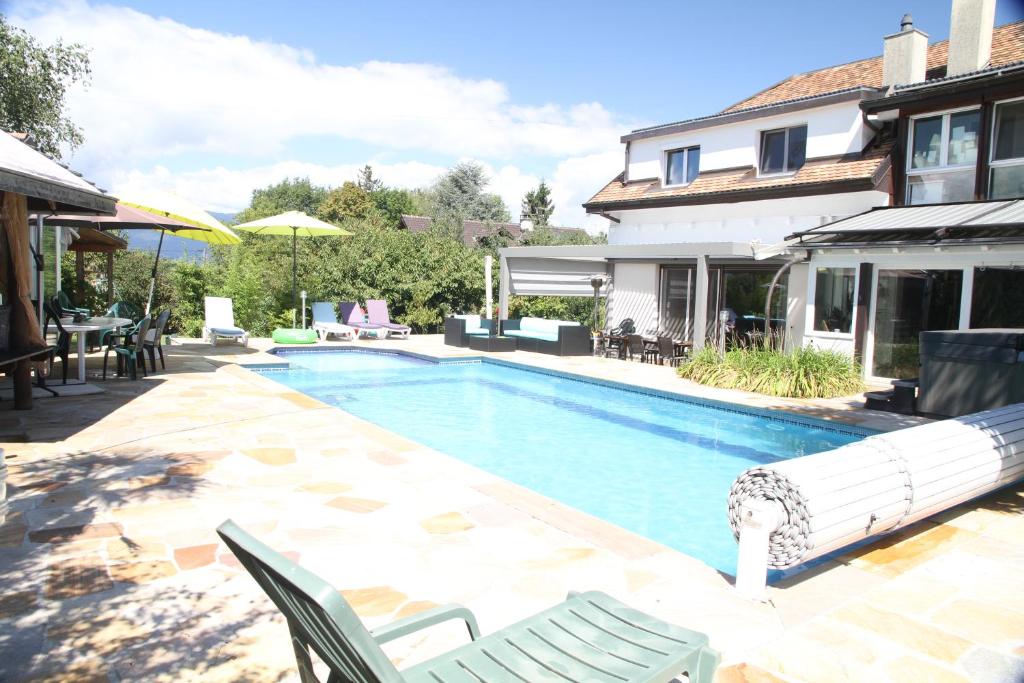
(447, 523)
(103, 636)
(326, 487)
(386, 458)
(88, 670)
(129, 549)
(822, 654)
(137, 483)
(360, 505)
(12, 531)
(983, 623)
(906, 549)
(336, 452)
(560, 558)
(12, 604)
(190, 469)
(374, 601)
(271, 456)
(66, 534)
(917, 635)
(77, 576)
(142, 572)
(908, 669)
(64, 497)
(915, 594)
(195, 556)
(745, 673)
(415, 607)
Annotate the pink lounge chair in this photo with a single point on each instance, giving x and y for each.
(377, 309)
(353, 316)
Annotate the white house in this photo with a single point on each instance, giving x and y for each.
(701, 213)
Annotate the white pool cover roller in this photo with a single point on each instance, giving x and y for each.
(822, 502)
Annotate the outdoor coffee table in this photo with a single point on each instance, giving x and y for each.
(481, 342)
(91, 325)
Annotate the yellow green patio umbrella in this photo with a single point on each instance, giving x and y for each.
(179, 213)
(297, 224)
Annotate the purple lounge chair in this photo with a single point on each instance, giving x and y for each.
(377, 311)
(353, 316)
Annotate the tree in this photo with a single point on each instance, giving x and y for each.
(537, 205)
(291, 194)
(392, 203)
(350, 201)
(459, 195)
(367, 182)
(34, 80)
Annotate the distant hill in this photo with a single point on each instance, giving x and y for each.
(174, 247)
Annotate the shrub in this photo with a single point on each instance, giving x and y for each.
(805, 372)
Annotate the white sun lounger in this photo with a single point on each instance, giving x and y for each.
(220, 321)
(325, 322)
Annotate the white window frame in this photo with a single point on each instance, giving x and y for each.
(1002, 163)
(686, 164)
(943, 166)
(812, 291)
(785, 150)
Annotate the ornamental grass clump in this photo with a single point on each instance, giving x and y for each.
(805, 372)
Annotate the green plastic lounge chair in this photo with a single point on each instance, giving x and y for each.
(589, 637)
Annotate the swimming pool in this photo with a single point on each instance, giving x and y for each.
(656, 465)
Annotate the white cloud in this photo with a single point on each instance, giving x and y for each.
(222, 189)
(222, 110)
(161, 87)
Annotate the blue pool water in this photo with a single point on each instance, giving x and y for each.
(658, 466)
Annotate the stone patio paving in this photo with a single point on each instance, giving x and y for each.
(110, 568)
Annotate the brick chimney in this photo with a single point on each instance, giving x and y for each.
(970, 35)
(905, 55)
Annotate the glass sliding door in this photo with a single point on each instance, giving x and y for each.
(909, 302)
(741, 293)
(676, 305)
(998, 297)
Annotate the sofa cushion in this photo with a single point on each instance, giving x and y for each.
(531, 334)
(478, 331)
(472, 320)
(543, 326)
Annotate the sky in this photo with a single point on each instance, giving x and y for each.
(212, 100)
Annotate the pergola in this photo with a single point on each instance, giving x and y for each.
(31, 182)
(90, 240)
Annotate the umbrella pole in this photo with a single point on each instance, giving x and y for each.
(295, 300)
(152, 279)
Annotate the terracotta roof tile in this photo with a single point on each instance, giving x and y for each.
(867, 169)
(1007, 48)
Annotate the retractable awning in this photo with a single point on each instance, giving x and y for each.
(985, 221)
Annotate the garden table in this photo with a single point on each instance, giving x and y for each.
(97, 324)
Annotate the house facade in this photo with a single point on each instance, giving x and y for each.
(712, 210)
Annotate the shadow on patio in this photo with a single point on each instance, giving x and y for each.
(85, 558)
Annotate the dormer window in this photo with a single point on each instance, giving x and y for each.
(682, 166)
(783, 150)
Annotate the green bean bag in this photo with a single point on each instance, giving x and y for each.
(286, 336)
